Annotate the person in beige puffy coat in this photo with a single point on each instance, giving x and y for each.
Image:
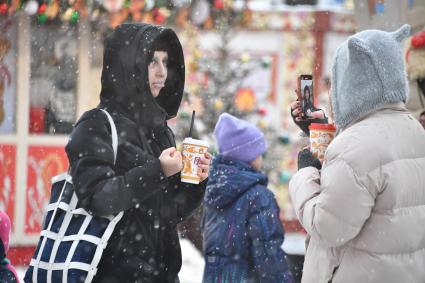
(364, 211)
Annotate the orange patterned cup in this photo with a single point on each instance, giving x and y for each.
(321, 136)
(193, 150)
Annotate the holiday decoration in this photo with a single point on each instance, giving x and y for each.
(266, 62)
(3, 8)
(245, 100)
(42, 8)
(418, 40)
(31, 7)
(149, 5)
(113, 6)
(284, 176)
(52, 10)
(42, 18)
(75, 16)
(218, 104)
(262, 111)
(200, 12)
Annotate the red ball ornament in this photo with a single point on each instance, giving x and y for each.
(219, 4)
(158, 17)
(3, 8)
(262, 111)
(42, 8)
(418, 40)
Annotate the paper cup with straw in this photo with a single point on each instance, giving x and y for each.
(193, 150)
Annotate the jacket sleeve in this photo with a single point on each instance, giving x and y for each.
(266, 234)
(188, 197)
(98, 187)
(332, 207)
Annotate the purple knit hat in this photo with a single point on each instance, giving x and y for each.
(238, 140)
(5, 228)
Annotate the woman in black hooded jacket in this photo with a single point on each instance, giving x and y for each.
(142, 87)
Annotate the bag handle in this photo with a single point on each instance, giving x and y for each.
(114, 134)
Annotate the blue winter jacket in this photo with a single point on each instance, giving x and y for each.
(241, 228)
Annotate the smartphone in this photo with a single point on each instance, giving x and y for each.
(305, 95)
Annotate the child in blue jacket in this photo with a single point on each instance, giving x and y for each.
(241, 228)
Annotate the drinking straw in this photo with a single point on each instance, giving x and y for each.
(191, 124)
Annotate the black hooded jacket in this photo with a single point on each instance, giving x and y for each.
(144, 246)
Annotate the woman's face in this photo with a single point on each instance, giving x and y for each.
(307, 93)
(157, 70)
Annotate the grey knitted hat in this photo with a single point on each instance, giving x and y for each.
(368, 72)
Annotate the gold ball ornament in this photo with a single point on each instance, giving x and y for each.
(218, 104)
(262, 124)
(245, 58)
(52, 10)
(245, 99)
(193, 66)
(67, 15)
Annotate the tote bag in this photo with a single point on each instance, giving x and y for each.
(72, 240)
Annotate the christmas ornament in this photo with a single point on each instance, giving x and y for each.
(52, 10)
(150, 4)
(262, 124)
(31, 7)
(284, 176)
(3, 8)
(245, 99)
(219, 4)
(262, 111)
(42, 18)
(75, 16)
(418, 40)
(266, 61)
(218, 104)
(245, 58)
(193, 66)
(42, 8)
(113, 6)
(158, 16)
(284, 138)
(238, 5)
(200, 12)
(94, 15)
(184, 115)
(67, 15)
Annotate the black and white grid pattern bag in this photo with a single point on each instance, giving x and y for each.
(72, 240)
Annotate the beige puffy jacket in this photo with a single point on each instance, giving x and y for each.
(365, 210)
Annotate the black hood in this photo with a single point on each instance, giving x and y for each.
(125, 86)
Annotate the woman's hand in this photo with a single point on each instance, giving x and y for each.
(296, 110)
(171, 161)
(204, 166)
(316, 116)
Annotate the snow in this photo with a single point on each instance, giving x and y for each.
(192, 268)
(193, 263)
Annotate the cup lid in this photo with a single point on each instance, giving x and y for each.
(318, 126)
(196, 141)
